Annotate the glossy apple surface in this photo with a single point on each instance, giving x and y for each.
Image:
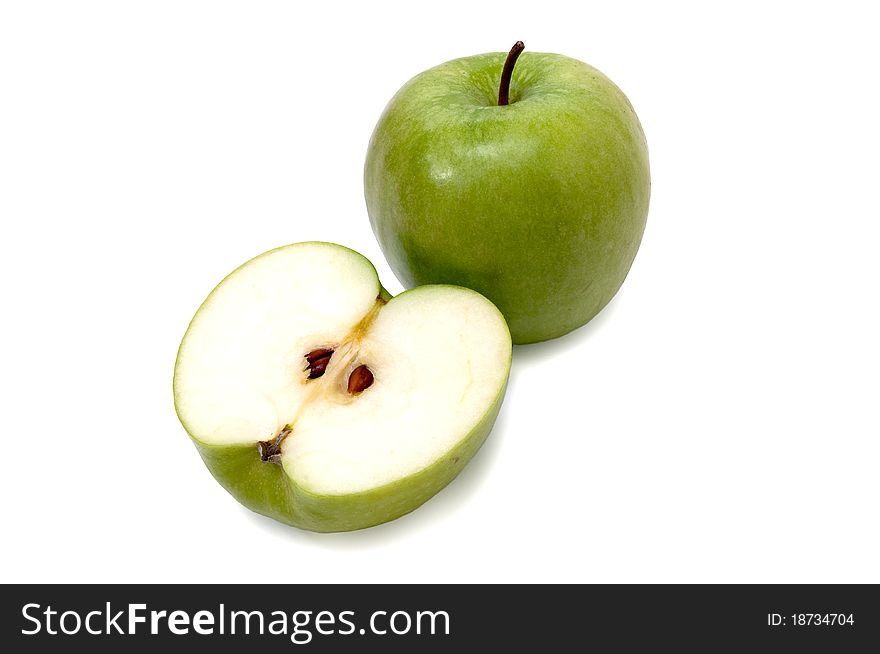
(539, 205)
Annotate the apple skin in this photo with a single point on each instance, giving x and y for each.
(539, 205)
(267, 489)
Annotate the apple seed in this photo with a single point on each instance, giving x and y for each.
(317, 362)
(361, 379)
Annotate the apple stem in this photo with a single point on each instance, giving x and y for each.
(507, 71)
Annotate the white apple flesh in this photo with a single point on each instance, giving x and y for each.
(315, 399)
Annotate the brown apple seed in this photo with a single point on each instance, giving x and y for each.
(317, 362)
(361, 378)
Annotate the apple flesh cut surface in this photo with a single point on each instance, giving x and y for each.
(316, 399)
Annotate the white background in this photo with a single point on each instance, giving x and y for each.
(717, 422)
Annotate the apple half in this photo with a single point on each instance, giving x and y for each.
(318, 400)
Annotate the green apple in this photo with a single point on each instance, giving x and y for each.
(316, 399)
(534, 194)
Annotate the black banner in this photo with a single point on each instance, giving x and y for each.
(436, 618)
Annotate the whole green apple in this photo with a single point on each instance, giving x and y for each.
(317, 399)
(533, 194)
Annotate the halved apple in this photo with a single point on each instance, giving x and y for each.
(317, 399)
